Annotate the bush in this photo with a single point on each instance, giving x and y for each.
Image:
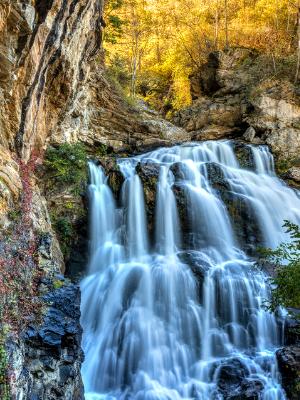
(67, 164)
(286, 258)
(64, 230)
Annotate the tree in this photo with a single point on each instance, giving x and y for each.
(163, 41)
(286, 259)
(226, 25)
(297, 6)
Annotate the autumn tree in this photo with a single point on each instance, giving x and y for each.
(163, 41)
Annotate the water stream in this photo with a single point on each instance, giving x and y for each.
(165, 322)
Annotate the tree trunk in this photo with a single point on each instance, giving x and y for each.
(216, 29)
(226, 25)
(298, 47)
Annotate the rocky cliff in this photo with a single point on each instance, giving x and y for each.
(51, 74)
(53, 90)
(234, 96)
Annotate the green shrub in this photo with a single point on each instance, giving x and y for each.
(283, 165)
(64, 230)
(66, 164)
(286, 258)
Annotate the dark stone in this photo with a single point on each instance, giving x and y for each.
(115, 181)
(149, 175)
(204, 81)
(242, 216)
(115, 177)
(292, 329)
(79, 249)
(42, 8)
(216, 177)
(230, 375)
(244, 155)
(53, 348)
(249, 390)
(234, 383)
(289, 366)
(187, 234)
(65, 372)
(178, 170)
(198, 266)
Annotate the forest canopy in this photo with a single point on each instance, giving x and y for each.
(152, 46)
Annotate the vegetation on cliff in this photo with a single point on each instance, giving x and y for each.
(286, 258)
(19, 271)
(65, 173)
(153, 46)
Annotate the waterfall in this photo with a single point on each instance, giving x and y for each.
(169, 320)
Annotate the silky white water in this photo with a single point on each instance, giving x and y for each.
(163, 321)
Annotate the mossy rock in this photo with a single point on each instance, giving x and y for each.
(244, 156)
(149, 175)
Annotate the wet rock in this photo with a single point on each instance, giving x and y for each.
(79, 249)
(149, 175)
(187, 235)
(249, 390)
(242, 217)
(198, 266)
(244, 155)
(216, 177)
(234, 384)
(292, 328)
(114, 175)
(289, 366)
(230, 376)
(115, 181)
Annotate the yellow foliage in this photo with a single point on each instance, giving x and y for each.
(163, 41)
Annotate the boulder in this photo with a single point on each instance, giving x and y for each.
(242, 217)
(187, 234)
(289, 366)
(214, 132)
(293, 174)
(149, 175)
(277, 114)
(244, 155)
(249, 134)
(48, 358)
(234, 383)
(198, 266)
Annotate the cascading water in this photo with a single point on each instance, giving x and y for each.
(162, 322)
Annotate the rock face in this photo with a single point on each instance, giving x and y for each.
(277, 114)
(46, 359)
(47, 63)
(288, 358)
(233, 383)
(229, 102)
(53, 90)
(289, 367)
(51, 353)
